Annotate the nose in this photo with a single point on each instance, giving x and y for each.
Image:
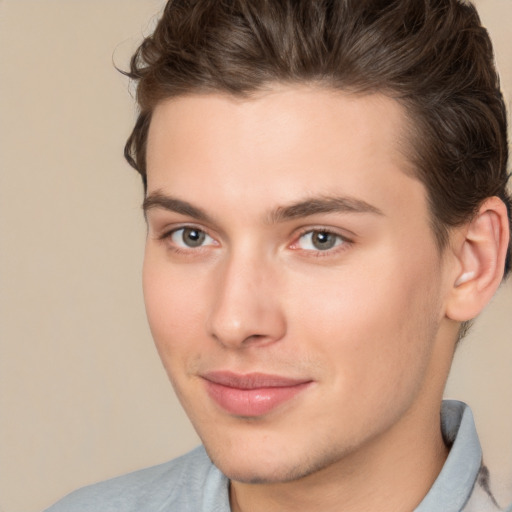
(246, 308)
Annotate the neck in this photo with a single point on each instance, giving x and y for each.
(391, 473)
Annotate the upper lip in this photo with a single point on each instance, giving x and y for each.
(251, 380)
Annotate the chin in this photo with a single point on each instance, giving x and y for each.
(268, 468)
(255, 475)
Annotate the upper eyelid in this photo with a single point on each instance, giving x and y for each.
(169, 230)
(342, 233)
(206, 226)
(299, 233)
(161, 227)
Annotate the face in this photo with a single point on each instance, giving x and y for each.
(292, 281)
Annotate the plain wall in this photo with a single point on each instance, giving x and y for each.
(82, 393)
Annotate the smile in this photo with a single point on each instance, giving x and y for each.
(251, 395)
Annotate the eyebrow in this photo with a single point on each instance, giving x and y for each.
(165, 202)
(327, 204)
(303, 208)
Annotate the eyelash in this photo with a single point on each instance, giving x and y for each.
(344, 242)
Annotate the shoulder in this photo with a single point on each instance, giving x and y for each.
(179, 484)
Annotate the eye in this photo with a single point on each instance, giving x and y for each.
(190, 238)
(319, 240)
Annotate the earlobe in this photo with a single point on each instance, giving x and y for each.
(481, 259)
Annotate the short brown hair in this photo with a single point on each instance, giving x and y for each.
(433, 56)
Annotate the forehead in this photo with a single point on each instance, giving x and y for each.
(281, 116)
(278, 145)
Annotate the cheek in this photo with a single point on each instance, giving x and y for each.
(374, 324)
(172, 307)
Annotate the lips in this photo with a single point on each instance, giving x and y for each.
(251, 395)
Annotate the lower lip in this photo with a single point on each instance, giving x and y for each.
(252, 402)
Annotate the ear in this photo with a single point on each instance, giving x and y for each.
(480, 251)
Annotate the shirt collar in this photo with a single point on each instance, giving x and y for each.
(455, 483)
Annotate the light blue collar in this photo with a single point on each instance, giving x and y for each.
(455, 483)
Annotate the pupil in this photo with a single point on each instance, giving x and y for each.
(323, 240)
(193, 237)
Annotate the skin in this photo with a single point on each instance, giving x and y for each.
(365, 321)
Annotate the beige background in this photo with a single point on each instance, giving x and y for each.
(82, 393)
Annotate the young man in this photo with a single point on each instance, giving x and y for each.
(325, 194)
